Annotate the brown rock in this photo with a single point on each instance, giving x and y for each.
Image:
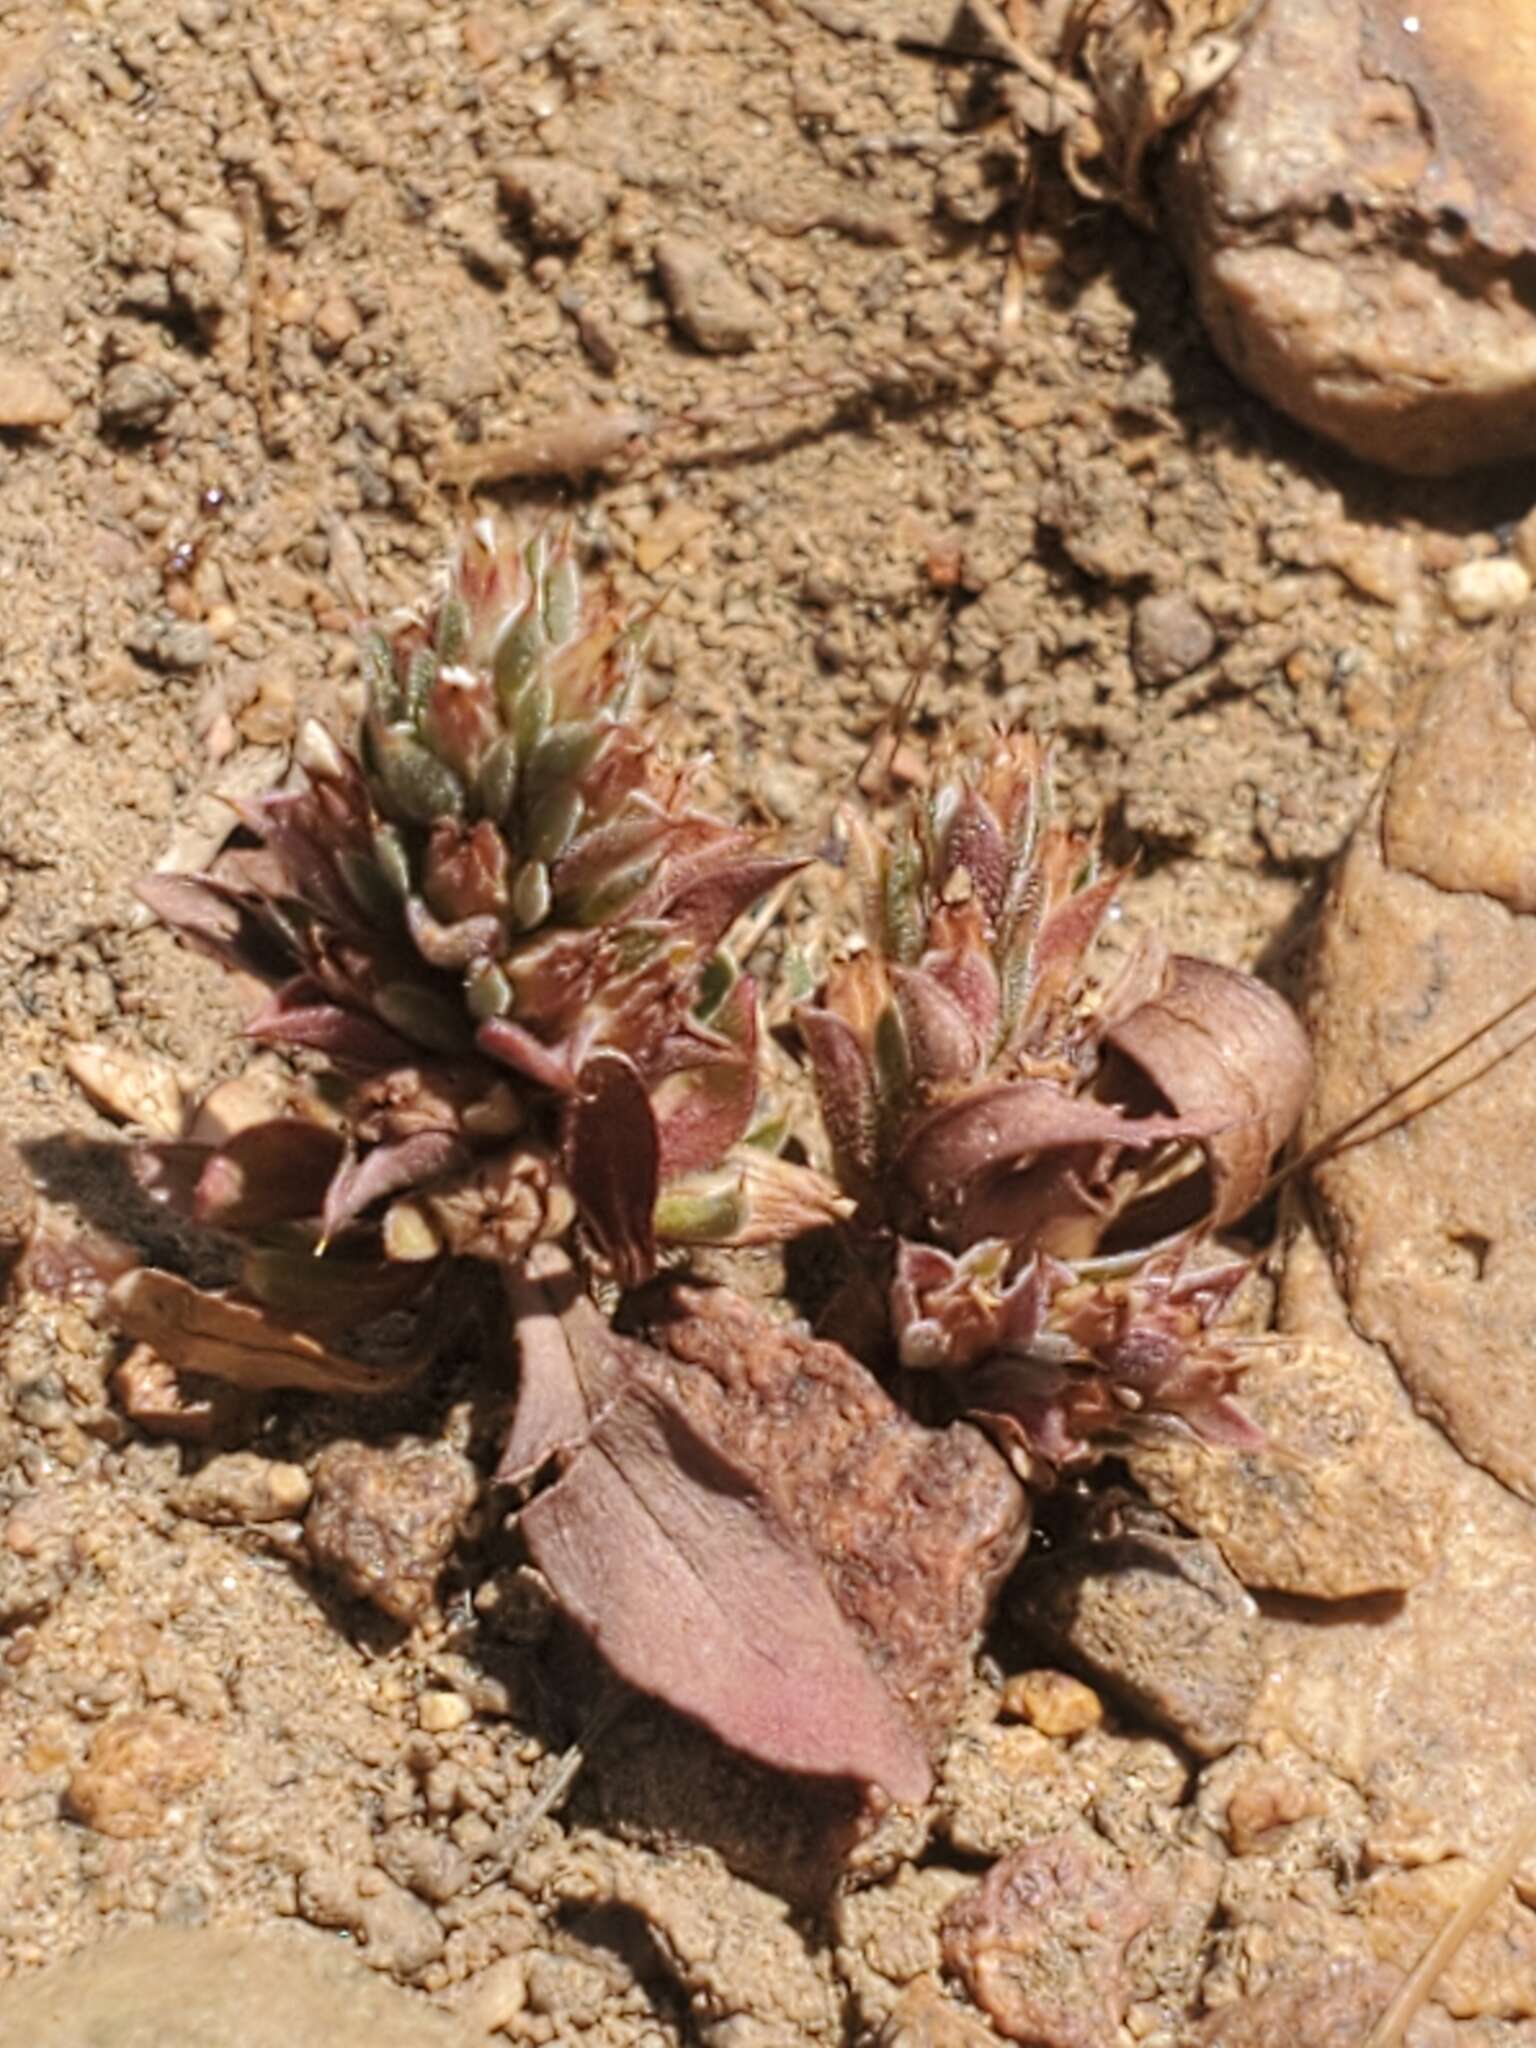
(1357, 206)
(560, 202)
(1041, 1942)
(244, 1487)
(139, 1765)
(1157, 1620)
(1427, 933)
(1052, 1701)
(1170, 635)
(708, 301)
(217, 1988)
(136, 396)
(1333, 2006)
(925, 2018)
(915, 1528)
(384, 1521)
(29, 397)
(1334, 1505)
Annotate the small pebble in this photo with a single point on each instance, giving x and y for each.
(708, 301)
(1170, 636)
(136, 395)
(1052, 1701)
(439, 1713)
(177, 644)
(29, 397)
(334, 190)
(560, 202)
(139, 1765)
(336, 322)
(243, 1487)
(1487, 589)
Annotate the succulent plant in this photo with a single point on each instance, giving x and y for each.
(501, 922)
(1038, 1153)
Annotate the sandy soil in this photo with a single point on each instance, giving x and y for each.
(257, 264)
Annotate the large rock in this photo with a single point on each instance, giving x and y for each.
(1357, 207)
(217, 1988)
(1428, 932)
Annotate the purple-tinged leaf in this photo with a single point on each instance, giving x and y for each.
(613, 1163)
(168, 1173)
(997, 1127)
(715, 888)
(666, 1554)
(500, 1039)
(571, 1363)
(1066, 935)
(703, 1108)
(1221, 1046)
(218, 920)
(346, 1036)
(388, 1169)
(974, 843)
(944, 1044)
(845, 1092)
(959, 959)
(452, 946)
(271, 1172)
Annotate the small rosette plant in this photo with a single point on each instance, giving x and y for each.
(1041, 1155)
(500, 921)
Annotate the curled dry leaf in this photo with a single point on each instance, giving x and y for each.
(1226, 1052)
(238, 1341)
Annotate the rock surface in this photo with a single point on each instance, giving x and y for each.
(1357, 243)
(216, 1988)
(1322, 1510)
(1427, 933)
(1156, 1619)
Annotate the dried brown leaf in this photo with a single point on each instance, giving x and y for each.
(238, 1341)
(1228, 1054)
(668, 1556)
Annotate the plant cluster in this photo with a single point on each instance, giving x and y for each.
(495, 933)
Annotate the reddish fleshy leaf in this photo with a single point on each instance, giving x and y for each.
(845, 1089)
(706, 1106)
(214, 918)
(500, 1039)
(945, 1043)
(571, 1364)
(388, 1169)
(346, 1036)
(269, 1172)
(996, 1127)
(705, 903)
(612, 1159)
